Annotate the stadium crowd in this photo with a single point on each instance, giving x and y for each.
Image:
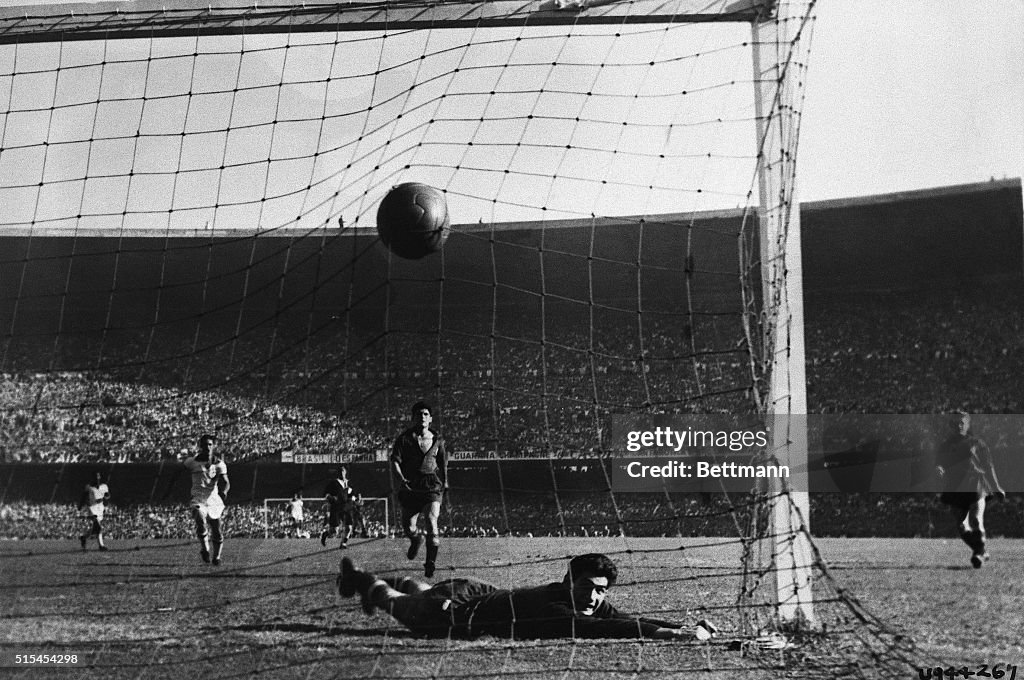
(74, 417)
(961, 350)
(951, 351)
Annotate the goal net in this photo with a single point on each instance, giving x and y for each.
(370, 519)
(189, 195)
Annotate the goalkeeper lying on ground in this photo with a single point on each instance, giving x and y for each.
(468, 608)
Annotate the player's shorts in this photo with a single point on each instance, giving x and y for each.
(421, 492)
(211, 509)
(460, 590)
(961, 499)
(428, 614)
(339, 514)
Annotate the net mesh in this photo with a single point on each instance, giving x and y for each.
(189, 246)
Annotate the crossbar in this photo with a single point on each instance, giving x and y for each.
(189, 18)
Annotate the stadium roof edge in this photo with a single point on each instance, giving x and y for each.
(914, 195)
(668, 218)
(664, 218)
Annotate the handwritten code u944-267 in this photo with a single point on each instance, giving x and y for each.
(999, 671)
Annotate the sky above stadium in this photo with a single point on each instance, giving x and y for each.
(911, 95)
(899, 96)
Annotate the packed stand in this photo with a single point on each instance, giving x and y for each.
(921, 352)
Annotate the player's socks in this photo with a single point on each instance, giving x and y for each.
(323, 538)
(346, 581)
(204, 547)
(975, 540)
(429, 564)
(217, 549)
(375, 593)
(82, 540)
(415, 541)
(406, 585)
(979, 543)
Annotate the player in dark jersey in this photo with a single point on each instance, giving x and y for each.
(469, 608)
(340, 504)
(964, 464)
(420, 463)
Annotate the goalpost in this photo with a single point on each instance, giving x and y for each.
(777, 83)
(277, 515)
(190, 191)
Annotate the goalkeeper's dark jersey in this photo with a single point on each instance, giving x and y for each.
(544, 612)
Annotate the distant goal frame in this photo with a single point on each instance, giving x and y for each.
(266, 511)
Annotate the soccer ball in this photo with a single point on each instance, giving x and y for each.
(412, 220)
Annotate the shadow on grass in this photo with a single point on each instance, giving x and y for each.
(269, 627)
(77, 550)
(900, 567)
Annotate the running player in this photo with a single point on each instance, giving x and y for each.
(340, 502)
(964, 464)
(208, 470)
(419, 461)
(95, 498)
(468, 608)
(358, 518)
(295, 510)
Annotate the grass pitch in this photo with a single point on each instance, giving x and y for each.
(151, 609)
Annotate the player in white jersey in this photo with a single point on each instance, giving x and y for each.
(298, 515)
(94, 498)
(207, 470)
